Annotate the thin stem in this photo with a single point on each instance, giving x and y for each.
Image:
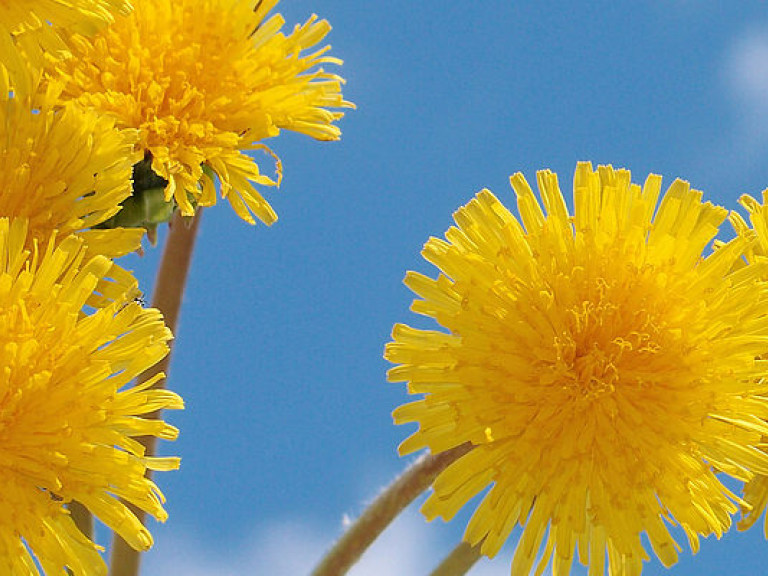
(396, 497)
(169, 290)
(459, 561)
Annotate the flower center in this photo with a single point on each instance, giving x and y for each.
(602, 346)
(596, 372)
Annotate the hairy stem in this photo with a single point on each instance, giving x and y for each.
(459, 561)
(167, 297)
(396, 497)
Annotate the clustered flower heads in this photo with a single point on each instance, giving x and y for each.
(104, 106)
(606, 371)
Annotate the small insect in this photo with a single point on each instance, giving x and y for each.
(55, 497)
(135, 300)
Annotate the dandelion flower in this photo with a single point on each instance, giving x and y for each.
(69, 414)
(66, 169)
(756, 490)
(603, 369)
(30, 30)
(205, 81)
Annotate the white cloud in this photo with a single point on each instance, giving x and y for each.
(409, 547)
(742, 147)
(283, 548)
(747, 74)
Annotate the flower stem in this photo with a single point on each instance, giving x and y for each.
(82, 518)
(397, 496)
(168, 293)
(459, 561)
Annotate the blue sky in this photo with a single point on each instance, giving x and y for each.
(279, 351)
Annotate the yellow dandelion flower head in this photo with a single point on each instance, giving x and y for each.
(67, 169)
(758, 219)
(756, 490)
(31, 29)
(602, 368)
(69, 413)
(205, 81)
